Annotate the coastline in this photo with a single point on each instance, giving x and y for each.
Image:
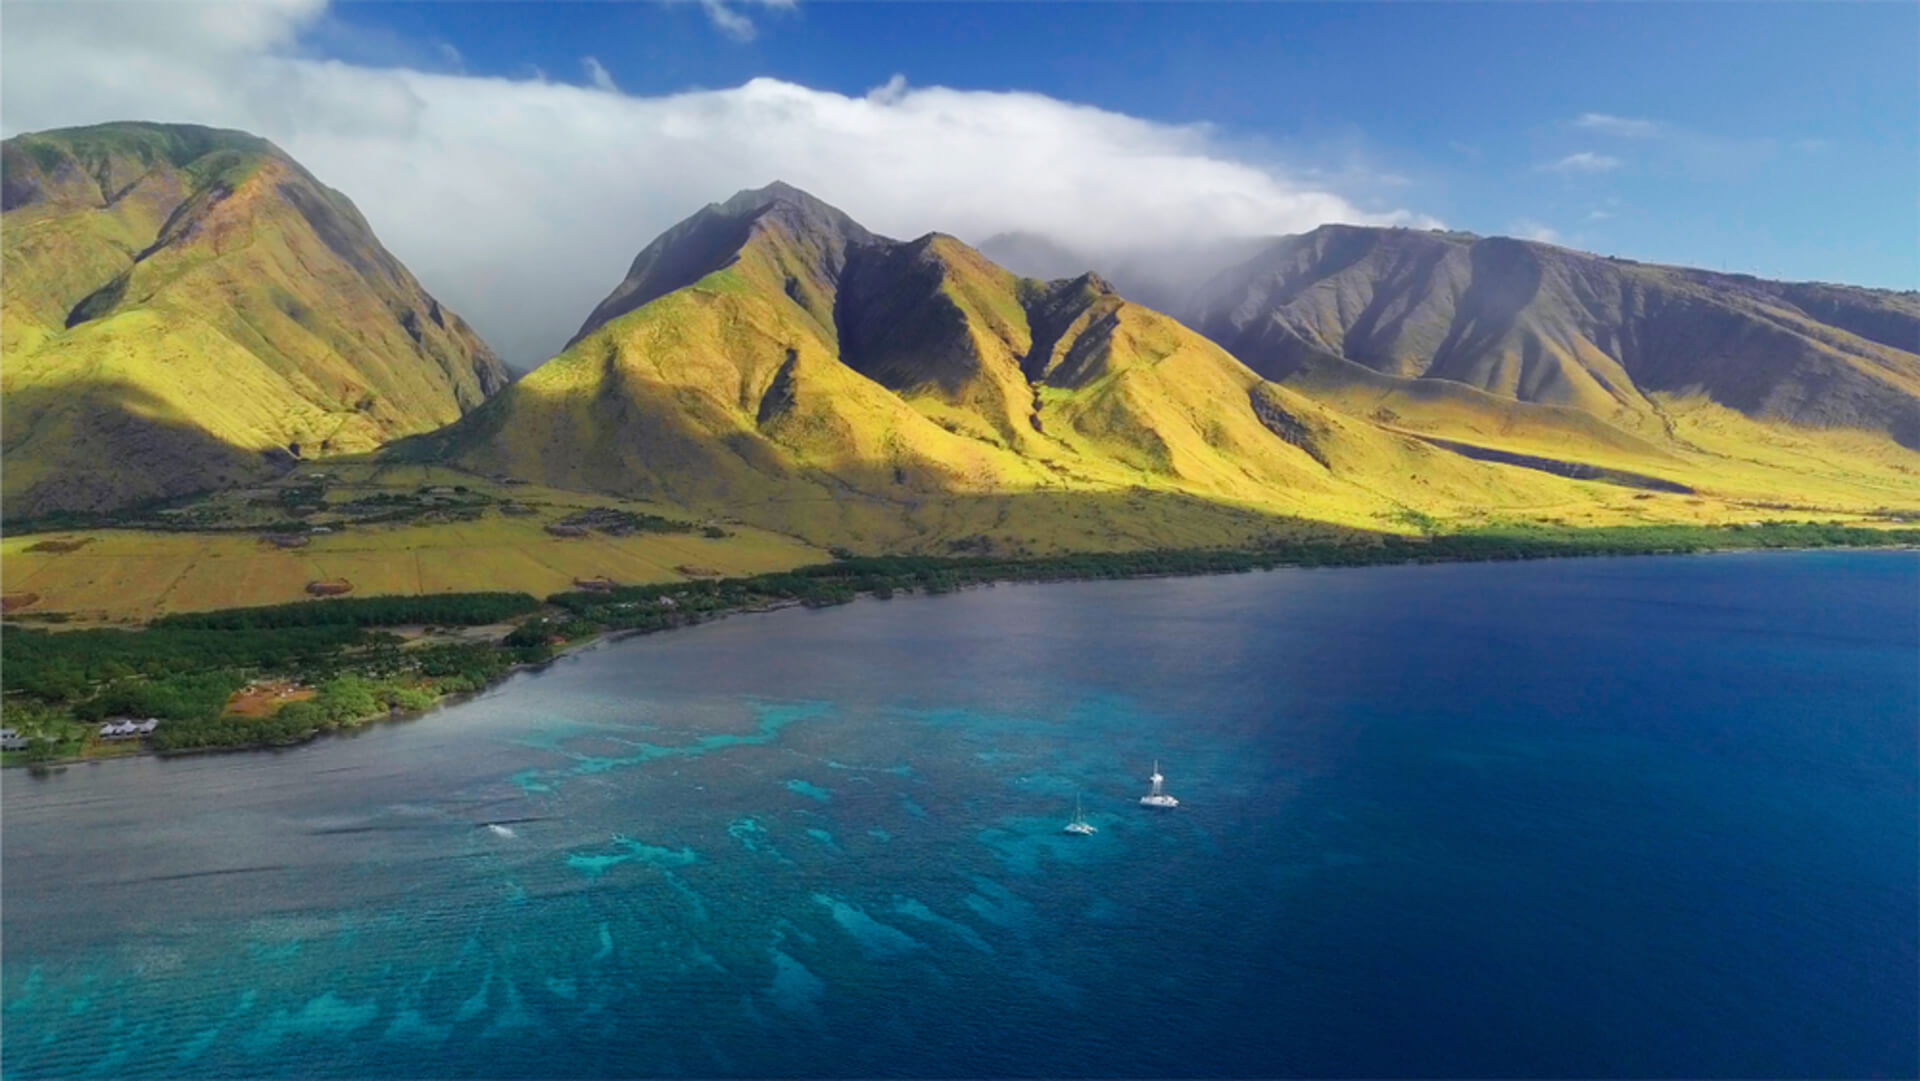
(447, 701)
(1270, 699)
(683, 620)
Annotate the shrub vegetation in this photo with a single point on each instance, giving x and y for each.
(184, 668)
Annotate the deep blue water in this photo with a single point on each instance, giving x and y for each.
(1643, 817)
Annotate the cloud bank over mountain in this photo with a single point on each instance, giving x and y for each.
(519, 200)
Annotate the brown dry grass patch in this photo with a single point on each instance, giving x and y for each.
(262, 699)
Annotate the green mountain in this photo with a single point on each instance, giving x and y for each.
(1540, 323)
(1801, 395)
(1660, 354)
(183, 307)
(187, 309)
(770, 359)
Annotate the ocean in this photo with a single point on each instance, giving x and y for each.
(1652, 817)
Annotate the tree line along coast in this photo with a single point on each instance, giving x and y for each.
(279, 675)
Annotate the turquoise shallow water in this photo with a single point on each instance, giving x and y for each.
(1651, 817)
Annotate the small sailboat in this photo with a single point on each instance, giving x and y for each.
(1158, 796)
(1080, 825)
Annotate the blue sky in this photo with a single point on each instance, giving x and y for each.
(1779, 139)
(516, 156)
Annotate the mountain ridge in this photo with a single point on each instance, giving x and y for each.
(711, 237)
(771, 359)
(1543, 322)
(823, 380)
(188, 307)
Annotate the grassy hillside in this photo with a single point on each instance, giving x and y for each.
(771, 360)
(1531, 322)
(183, 308)
(1541, 323)
(772, 381)
(1753, 392)
(380, 529)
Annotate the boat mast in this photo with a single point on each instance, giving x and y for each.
(1156, 778)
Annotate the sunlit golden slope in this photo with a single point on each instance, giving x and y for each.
(182, 306)
(844, 387)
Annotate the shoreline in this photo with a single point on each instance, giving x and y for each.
(621, 634)
(373, 720)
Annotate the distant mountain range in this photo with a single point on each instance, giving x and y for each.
(183, 308)
(771, 359)
(1540, 323)
(1545, 324)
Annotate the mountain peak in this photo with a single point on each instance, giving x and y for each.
(123, 356)
(89, 166)
(1096, 283)
(1544, 324)
(798, 210)
(178, 144)
(714, 236)
(748, 200)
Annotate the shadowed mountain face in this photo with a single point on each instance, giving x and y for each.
(771, 359)
(1542, 324)
(184, 307)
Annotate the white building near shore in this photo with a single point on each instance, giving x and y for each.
(128, 728)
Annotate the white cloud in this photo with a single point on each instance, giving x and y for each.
(889, 92)
(1585, 161)
(597, 75)
(520, 201)
(1597, 214)
(728, 21)
(1528, 229)
(1676, 150)
(1624, 126)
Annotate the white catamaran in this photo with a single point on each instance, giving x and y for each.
(1080, 825)
(1158, 797)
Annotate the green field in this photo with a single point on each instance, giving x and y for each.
(121, 575)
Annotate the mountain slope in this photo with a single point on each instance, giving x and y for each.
(1538, 323)
(1794, 394)
(770, 359)
(182, 307)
